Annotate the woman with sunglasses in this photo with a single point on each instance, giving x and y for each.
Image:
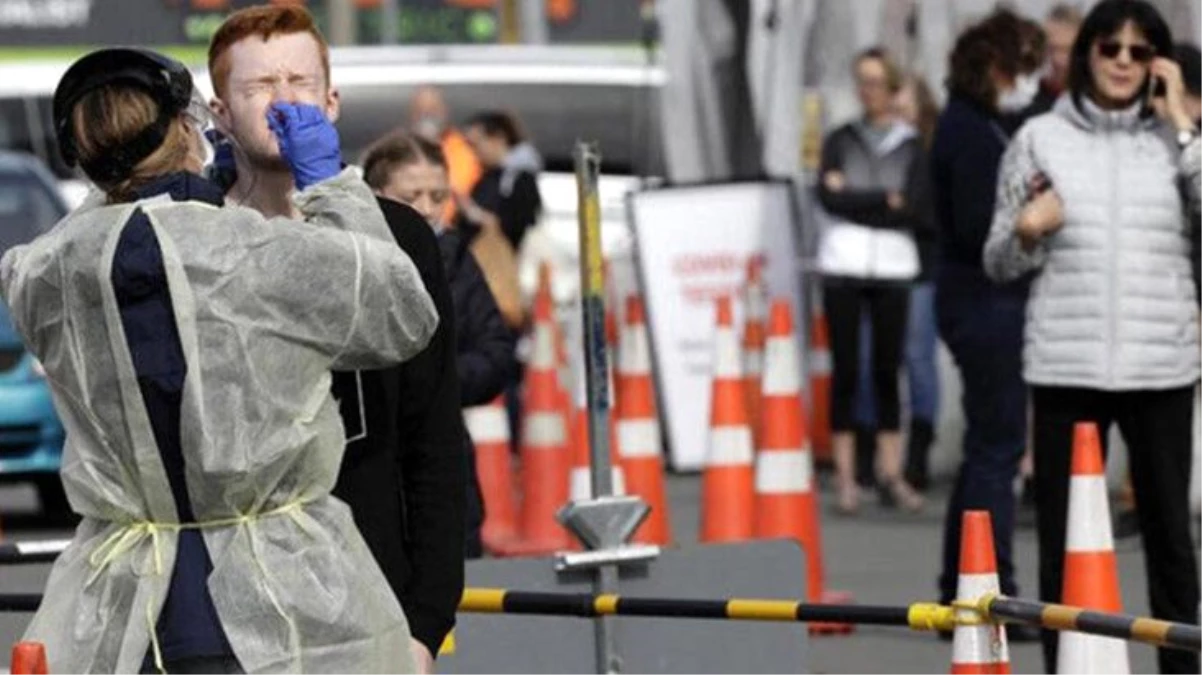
(1093, 198)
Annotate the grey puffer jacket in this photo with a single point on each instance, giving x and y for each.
(1114, 306)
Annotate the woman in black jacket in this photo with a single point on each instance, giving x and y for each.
(412, 170)
(980, 322)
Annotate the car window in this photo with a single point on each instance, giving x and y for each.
(27, 209)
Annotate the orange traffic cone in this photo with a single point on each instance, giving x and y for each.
(979, 648)
(29, 658)
(820, 387)
(754, 301)
(544, 437)
(1091, 578)
(728, 482)
(638, 439)
(784, 497)
(488, 426)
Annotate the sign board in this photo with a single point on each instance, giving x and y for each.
(693, 245)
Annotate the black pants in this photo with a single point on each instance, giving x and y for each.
(888, 307)
(1158, 429)
(982, 325)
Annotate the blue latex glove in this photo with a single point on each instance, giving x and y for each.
(308, 142)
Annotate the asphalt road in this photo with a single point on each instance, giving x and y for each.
(881, 557)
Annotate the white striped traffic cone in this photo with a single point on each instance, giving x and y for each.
(1091, 578)
(728, 482)
(978, 648)
(488, 426)
(638, 438)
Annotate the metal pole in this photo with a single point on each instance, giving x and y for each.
(534, 22)
(390, 22)
(596, 370)
(592, 299)
(342, 22)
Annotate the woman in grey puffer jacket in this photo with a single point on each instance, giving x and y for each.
(1094, 196)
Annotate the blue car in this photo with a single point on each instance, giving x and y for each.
(31, 436)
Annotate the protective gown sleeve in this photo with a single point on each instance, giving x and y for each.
(340, 281)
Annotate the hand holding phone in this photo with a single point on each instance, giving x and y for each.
(1165, 74)
(1037, 185)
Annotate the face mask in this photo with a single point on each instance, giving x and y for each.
(1026, 88)
(429, 128)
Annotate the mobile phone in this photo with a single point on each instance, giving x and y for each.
(1156, 88)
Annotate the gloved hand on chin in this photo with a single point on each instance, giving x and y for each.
(308, 142)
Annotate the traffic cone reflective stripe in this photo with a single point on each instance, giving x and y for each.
(488, 426)
(979, 648)
(638, 439)
(638, 435)
(728, 482)
(1090, 567)
(784, 472)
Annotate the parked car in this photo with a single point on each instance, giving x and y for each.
(31, 436)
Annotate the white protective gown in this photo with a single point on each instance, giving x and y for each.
(265, 309)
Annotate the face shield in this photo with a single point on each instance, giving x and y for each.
(214, 149)
(200, 120)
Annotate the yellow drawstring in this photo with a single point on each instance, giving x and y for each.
(129, 535)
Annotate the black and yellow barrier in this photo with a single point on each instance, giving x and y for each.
(1064, 617)
(920, 616)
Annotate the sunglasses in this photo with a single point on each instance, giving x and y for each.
(1110, 49)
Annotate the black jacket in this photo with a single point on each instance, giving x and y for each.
(485, 344)
(403, 474)
(487, 363)
(965, 157)
(517, 209)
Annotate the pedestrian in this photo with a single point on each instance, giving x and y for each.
(873, 187)
(403, 471)
(189, 368)
(980, 322)
(1093, 200)
(915, 105)
(412, 170)
(507, 194)
(1060, 31)
(430, 118)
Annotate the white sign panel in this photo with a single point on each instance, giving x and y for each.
(693, 245)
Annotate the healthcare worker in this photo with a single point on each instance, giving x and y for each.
(188, 347)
